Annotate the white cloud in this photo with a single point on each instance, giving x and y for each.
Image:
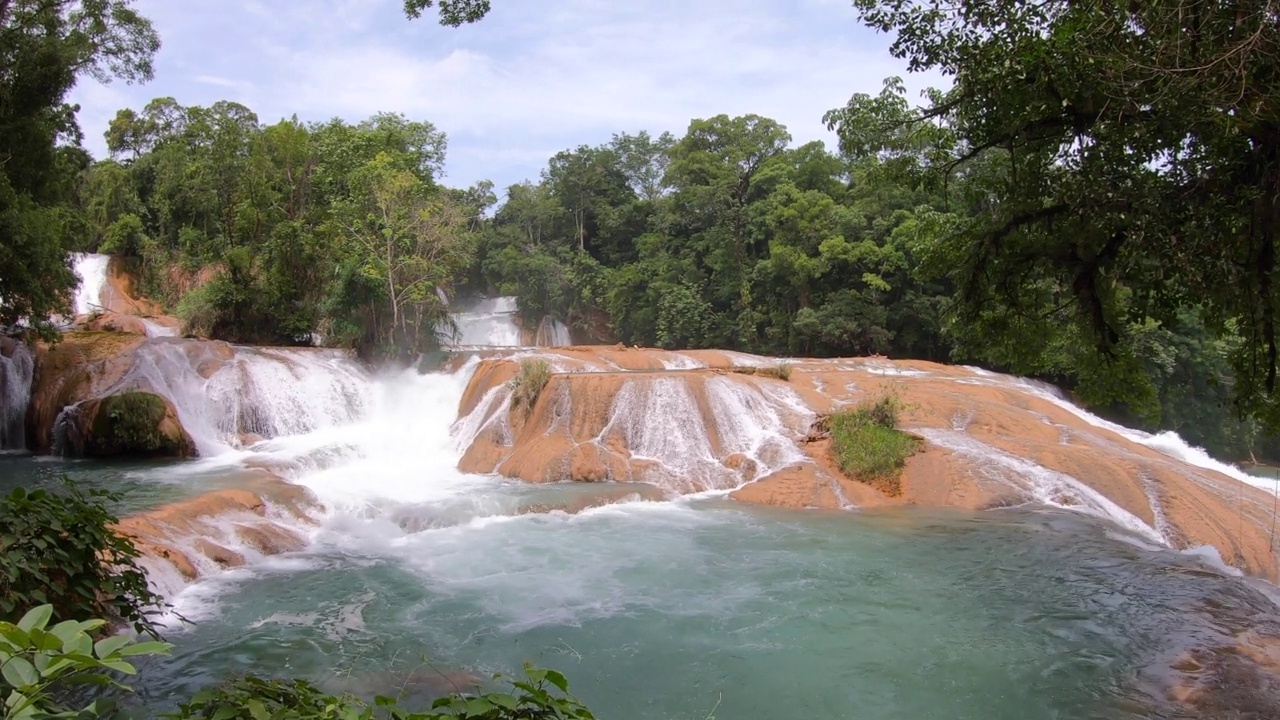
(222, 82)
(533, 75)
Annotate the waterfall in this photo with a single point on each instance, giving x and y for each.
(264, 392)
(1038, 483)
(552, 333)
(16, 373)
(495, 322)
(155, 329)
(487, 323)
(92, 271)
(749, 433)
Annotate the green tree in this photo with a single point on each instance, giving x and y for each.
(1130, 161)
(410, 240)
(45, 46)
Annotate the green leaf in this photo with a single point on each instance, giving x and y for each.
(109, 645)
(257, 709)
(120, 666)
(146, 648)
(556, 678)
(20, 673)
(478, 706)
(503, 700)
(13, 635)
(37, 617)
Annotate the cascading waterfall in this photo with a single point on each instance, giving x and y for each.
(751, 434)
(16, 374)
(1168, 442)
(488, 572)
(91, 268)
(155, 329)
(494, 323)
(263, 392)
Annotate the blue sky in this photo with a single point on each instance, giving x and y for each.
(533, 78)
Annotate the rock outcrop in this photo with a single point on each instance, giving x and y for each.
(702, 420)
(182, 541)
(132, 424)
(92, 366)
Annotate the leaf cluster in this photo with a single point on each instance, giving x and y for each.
(59, 549)
(541, 694)
(41, 664)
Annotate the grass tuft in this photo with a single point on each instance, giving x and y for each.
(868, 446)
(527, 385)
(781, 371)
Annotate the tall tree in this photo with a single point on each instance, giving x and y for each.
(45, 46)
(410, 240)
(1130, 167)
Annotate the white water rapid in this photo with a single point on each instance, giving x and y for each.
(92, 271)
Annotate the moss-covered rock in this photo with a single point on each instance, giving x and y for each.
(135, 424)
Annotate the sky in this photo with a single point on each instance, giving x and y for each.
(531, 79)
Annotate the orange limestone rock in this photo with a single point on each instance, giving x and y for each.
(85, 368)
(696, 421)
(220, 529)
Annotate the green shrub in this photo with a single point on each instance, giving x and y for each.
(541, 695)
(59, 549)
(867, 446)
(528, 383)
(40, 664)
(781, 371)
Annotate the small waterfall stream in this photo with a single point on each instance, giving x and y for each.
(16, 374)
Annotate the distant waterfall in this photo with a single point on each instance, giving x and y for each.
(16, 372)
(552, 333)
(92, 271)
(487, 323)
(495, 322)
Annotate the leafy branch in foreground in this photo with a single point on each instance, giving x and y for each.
(40, 664)
(542, 695)
(452, 12)
(59, 549)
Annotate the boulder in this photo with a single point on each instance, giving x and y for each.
(132, 424)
